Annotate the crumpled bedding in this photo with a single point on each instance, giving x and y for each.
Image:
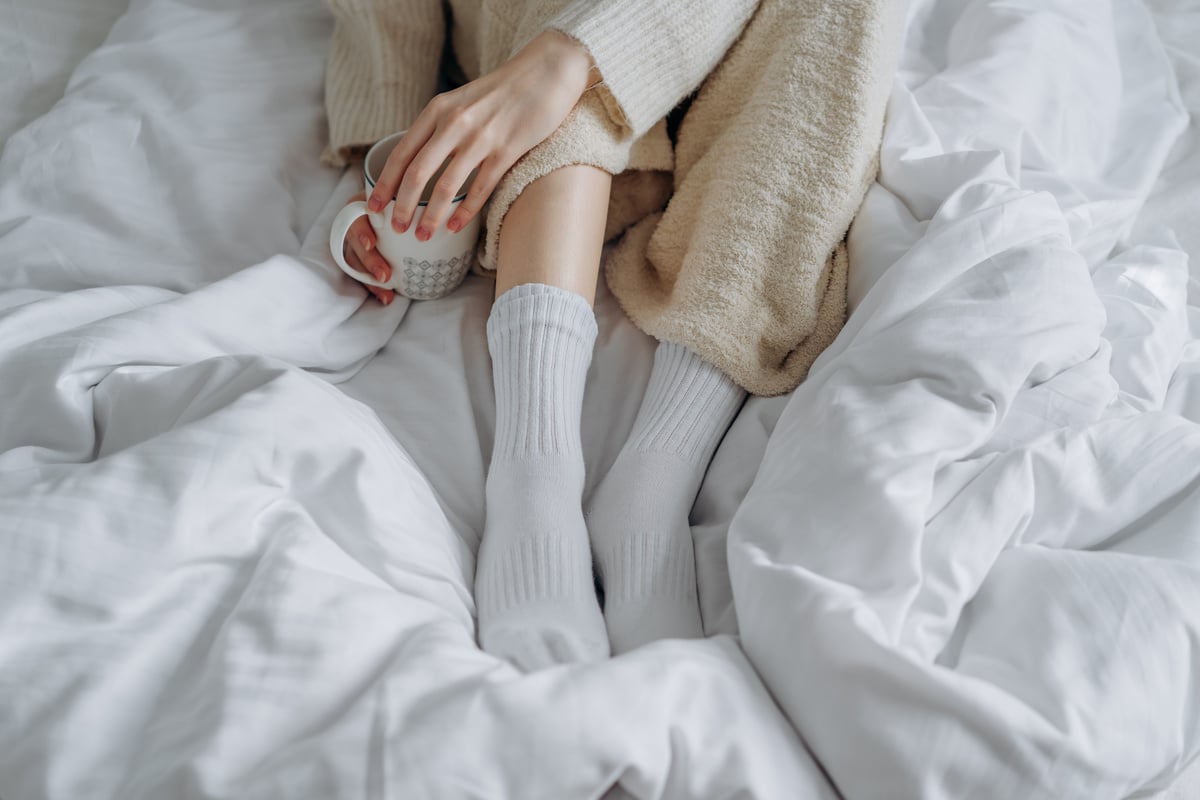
(238, 505)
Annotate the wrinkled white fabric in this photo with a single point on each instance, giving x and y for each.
(239, 507)
(972, 518)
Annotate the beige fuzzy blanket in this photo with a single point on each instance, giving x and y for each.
(746, 266)
(732, 239)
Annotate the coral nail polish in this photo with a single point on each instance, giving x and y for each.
(454, 225)
(423, 234)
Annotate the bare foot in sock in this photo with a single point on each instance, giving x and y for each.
(643, 544)
(533, 579)
(638, 515)
(537, 601)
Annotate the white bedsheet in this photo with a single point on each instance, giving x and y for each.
(238, 507)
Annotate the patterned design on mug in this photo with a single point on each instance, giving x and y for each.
(428, 280)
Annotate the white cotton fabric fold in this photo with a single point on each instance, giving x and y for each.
(974, 508)
(239, 506)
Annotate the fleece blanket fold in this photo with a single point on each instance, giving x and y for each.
(746, 264)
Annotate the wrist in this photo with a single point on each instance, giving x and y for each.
(568, 59)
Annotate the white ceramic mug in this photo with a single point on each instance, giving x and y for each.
(420, 270)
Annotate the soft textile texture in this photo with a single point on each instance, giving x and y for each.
(533, 581)
(638, 518)
(377, 81)
(384, 56)
(774, 156)
(746, 266)
(239, 509)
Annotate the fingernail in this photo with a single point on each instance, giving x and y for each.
(374, 204)
(386, 299)
(422, 233)
(454, 225)
(378, 273)
(365, 241)
(398, 226)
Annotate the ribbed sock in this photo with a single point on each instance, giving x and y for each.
(638, 517)
(533, 580)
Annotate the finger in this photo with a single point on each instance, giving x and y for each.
(444, 192)
(423, 167)
(489, 175)
(384, 296)
(353, 261)
(401, 156)
(362, 234)
(377, 265)
(366, 260)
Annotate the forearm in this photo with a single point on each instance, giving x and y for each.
(653, 54)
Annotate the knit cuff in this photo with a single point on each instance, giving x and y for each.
(382, 70)
(652, 54)
(541, 340)
(537, 569)
(646, 564)
(687, 407)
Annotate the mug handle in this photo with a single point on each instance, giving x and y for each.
(337, 241)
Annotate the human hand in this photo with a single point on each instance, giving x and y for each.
(487, 124)
(359, 250)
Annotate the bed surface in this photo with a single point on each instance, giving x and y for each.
(238, 505)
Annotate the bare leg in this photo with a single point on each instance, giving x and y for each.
(533, 579)
(554, 231)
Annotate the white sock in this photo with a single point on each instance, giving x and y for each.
(638, 517)
(533, 579)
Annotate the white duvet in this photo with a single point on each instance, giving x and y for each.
(239, 506)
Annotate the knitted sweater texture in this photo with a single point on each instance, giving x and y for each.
(733, 238)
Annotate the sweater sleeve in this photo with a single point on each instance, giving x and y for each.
(653, 53)
(382, 69)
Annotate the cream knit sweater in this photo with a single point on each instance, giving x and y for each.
(746, 265)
